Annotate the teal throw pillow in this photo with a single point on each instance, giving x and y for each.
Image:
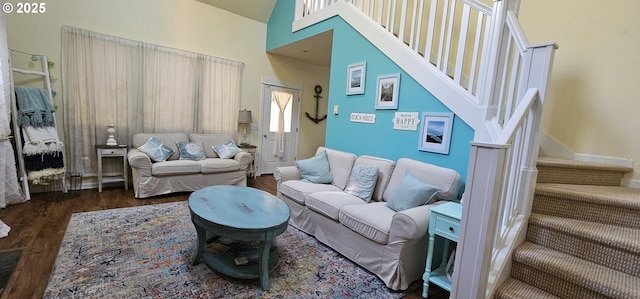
(411, 193)
(362, 182)
(227, 150)
(156, 150)
(316, 169)
(191, 150)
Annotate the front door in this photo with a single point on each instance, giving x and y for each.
(280, 117)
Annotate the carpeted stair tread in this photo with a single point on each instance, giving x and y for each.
(606, 195)
(517, 289)
(579, 173)
(608, 245)
(599, 279)
(575, 164)
(614, 236)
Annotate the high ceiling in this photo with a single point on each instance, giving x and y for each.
(259, 10)
(315, 49)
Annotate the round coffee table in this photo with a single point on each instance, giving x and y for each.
(241, 214)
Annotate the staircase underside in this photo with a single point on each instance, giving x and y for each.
(583, 239)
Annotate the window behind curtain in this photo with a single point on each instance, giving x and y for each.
(140, 87)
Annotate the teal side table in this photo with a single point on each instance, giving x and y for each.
(444, 222)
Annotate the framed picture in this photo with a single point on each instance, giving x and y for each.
(435, 135)
(355, 78)
(387, 94)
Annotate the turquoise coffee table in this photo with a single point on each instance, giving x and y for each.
(240, 214)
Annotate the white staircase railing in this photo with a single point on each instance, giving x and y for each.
(451, 35)
(484, 62)
(502, 173)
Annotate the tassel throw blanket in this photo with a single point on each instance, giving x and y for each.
(42, 146)
(35, 108)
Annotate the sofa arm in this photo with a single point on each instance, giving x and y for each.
(286, 173)
(411, 223)
(140, 161)
(244, 159)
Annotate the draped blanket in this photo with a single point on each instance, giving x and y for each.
(35, 108)
(42, 146)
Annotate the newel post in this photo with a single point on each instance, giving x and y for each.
(478, 223)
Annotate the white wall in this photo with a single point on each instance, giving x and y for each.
(593, 103)
(182, 24)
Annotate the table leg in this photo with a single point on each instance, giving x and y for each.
(427, 268)
(99, 171)
(263, 261)
(202, 241)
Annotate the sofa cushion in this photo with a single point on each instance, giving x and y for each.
(411, 193)
(315, 169)
(340, 164)
(226, 150)
(329, 203)
(447, 180)
(216, 165)
(191, 151)
(156, 150)
(210, 140)
(175, 167)
(371, 220)
(362, 182)
(385, 168)
(298, 190)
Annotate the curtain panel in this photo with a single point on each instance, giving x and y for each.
(140, 87)
(10, 191)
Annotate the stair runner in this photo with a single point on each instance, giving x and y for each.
(583, 239)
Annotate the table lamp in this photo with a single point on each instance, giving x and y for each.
(244, 119)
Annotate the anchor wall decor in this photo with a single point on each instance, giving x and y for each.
(318, 90)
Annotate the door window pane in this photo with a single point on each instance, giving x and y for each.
(273, 122)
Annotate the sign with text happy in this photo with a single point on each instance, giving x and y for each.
(406, 121)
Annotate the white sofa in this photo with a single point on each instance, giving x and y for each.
(174, 175)
(392, 245)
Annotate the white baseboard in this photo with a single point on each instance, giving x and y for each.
(603, 159)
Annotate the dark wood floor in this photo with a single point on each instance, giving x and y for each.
(38, 227)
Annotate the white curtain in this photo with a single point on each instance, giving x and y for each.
(140, 87)
(10, 191)
(281, 98)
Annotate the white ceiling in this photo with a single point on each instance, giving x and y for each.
(315, 49)
(259, 10)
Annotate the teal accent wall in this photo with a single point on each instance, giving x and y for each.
(379, 139)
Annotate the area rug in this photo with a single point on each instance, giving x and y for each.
(145, 252)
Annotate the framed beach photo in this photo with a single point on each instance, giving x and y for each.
(435, 135)
(387, 91)
(356, 74)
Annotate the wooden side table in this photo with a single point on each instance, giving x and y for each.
(444, 222)
(108, 151)
(253, 150)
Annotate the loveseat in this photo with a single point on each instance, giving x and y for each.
(391, 244)
(185, 169)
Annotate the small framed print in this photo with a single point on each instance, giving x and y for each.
(387, 92)
(356, 74)
(435, 135)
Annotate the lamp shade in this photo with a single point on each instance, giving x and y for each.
(244, 117)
